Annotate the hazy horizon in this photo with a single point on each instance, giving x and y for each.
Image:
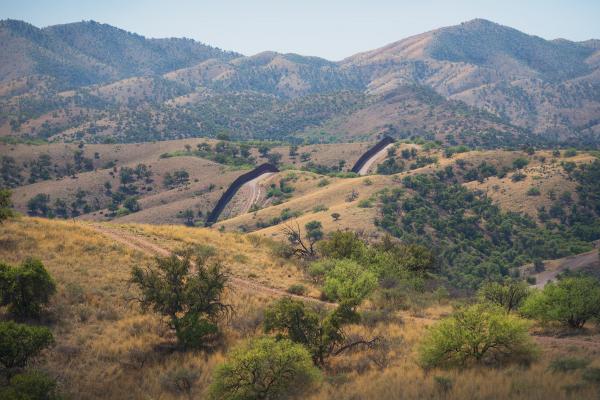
(334, 30)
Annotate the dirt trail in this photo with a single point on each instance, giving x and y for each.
(380, 154)
(255, 191)
(573, 263)
(138, 243)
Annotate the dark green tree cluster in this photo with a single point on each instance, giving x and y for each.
(474, 240)
(24, 290)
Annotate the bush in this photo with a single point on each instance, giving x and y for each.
(20, 343)
(568, 364)
(265, 368)
(30, 386)
(571, 301)
(509, 295)
(533, 191)
(321, 333)
(341, 244)
(25, 289)
(5, 205)
(348, 281)
(194, 313)
(474, 335)
(297, 289)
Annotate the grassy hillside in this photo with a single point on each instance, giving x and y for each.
(106, 348)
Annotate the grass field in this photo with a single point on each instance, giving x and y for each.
(107, 349)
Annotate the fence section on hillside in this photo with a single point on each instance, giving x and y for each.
(234, 187)
(371, 152)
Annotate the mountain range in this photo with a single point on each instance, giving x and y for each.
(477, 83)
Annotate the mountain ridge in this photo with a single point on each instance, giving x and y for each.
(172, 88)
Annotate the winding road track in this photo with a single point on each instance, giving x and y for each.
(138, 243)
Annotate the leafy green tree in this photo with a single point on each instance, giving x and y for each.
(520, 163)
(571, 301)
(25, 289)
(263, 369)
(30, 386)
(264, 151)
(322, 334)
(5, 205)
(39, 205)
(186, 291)
(10, 172)
(348, 280)
(342, 244)
(188, 217)
(132, 204)
(508, 295)
(20, 343)
(477, 334)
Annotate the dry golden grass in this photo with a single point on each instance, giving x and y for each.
(107, 349)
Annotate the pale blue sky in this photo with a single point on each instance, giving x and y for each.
(332, 29)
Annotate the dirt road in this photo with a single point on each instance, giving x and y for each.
(255, 191)
(138, 243)
(377, 156)
(573, 263)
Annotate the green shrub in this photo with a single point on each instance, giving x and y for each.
(297, 289)
(533, 191)
(592, 375)
(196, 310)
(320, 332)
(349, 280)
(571, 301)
(365, 203)
(20, 343)
(509, 295)
(568, 364)
(30, 386)
(477, 334)
(570, 153)
(265, 368)
(5, 205)
(25, 289)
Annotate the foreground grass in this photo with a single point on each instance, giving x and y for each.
(107, 349)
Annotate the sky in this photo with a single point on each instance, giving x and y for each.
(333, 29)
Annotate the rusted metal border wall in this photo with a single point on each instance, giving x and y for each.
(371, 152)
(234, 187)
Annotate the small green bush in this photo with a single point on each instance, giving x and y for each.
(297, 289)
(568, 364)
(477, 334)
(348, 280)
(265, 368)
(20, 343)
(25, 289)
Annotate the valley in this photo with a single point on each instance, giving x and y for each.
(416, 221)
